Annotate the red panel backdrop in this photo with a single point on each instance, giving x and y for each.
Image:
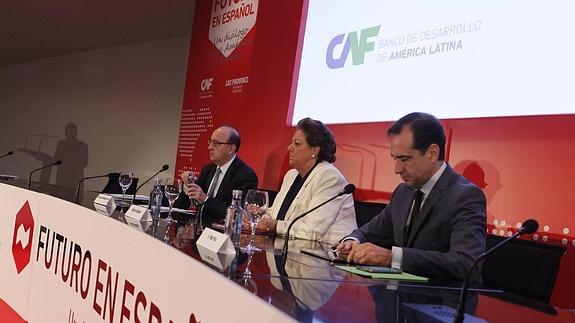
(523, 164)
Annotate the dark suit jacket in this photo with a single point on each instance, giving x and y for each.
(239, 176)
(447, 235)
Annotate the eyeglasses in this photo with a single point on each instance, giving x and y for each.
(217, 143)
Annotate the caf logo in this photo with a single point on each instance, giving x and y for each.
(22, 237)
(206, 84)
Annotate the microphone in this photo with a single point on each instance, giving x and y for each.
(528, 227)
(348, 189)
(164, 168)
(58, 162)
(85, 178)
(7, 154)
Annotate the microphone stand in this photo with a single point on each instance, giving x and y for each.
(164, 168)
(37, 169)
(347, 190)
(528, 227)
(82, 180)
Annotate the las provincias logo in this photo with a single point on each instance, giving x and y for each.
(22, 237)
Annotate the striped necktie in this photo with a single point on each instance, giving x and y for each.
(212, 188)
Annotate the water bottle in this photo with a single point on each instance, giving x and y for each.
(230, 218)
(231, 212)
(233, 228)
(156, 197)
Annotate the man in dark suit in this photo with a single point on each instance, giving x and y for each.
(435, 223)
(217, 180)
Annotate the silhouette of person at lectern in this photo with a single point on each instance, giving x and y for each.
(74, 156)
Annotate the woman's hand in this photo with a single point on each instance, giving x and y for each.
(266, 225)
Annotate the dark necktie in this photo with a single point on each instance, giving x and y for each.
(211, 189)
(414, 212)
(214, 183)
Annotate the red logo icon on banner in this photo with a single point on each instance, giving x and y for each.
(22, 237)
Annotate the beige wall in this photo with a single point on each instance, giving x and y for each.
(126, 102)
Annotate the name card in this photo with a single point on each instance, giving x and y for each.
(219, 260)
(137, 224)
(216, 242)
(139, 213)
(104, 204)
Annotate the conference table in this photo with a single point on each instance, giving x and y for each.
(312, 289)
(303, 287)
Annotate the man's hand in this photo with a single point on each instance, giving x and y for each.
(195, 192)
(344, 248)
(188, 178)
(369, 254)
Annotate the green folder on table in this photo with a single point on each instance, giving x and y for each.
(400, 276)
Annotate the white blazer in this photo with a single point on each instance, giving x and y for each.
(328, 223)
(311, 294)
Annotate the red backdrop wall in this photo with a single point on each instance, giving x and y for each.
(524, 164)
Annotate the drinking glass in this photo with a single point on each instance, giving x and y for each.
(172, 191)
(191, 179)
(125, 180)
(246, 279)
(255, 205)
